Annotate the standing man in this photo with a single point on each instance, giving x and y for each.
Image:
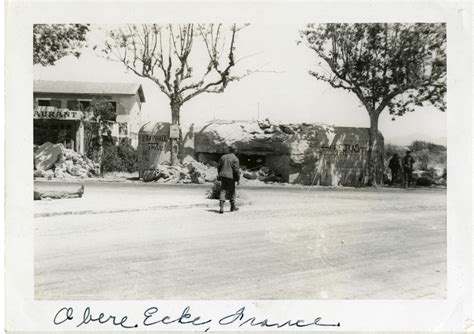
(229, 174)
(407, 164)
(395, 166)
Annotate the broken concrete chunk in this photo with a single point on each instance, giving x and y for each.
(47, 155)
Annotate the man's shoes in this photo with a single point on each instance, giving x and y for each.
(221, 204)
(233, 207)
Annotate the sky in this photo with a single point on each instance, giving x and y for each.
(282, 90)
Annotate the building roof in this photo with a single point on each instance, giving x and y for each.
(93, 88)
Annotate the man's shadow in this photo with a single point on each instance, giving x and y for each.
(213, 210)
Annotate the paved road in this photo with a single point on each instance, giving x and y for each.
(289, 244)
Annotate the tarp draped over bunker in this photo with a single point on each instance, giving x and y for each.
(311, 154)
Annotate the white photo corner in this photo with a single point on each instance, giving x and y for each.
(210, 166)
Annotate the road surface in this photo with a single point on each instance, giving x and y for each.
(289, 243)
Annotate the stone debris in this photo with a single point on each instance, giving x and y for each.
(189, 171)
(263, 174)
(55, 161)
(428, 178)
(192, 171)
(46, 155)
(250, 175)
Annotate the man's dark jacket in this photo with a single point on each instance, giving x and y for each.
(407, 163)
(394, 164)
(229, 167)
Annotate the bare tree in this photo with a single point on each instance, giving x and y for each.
(162, 53)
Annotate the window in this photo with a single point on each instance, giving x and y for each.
(84, 105)
(72, 105)
(49, 103)
(43, 103)
(123, 129)
(113, 105)
(111, 111)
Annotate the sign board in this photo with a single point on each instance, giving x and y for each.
(43, 112)
(174, 131)
(153, 146)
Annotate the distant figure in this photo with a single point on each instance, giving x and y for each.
(395, 167)
(407, 164)
(228, 174)
(54, 194)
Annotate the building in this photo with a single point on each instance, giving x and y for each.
(62, 107)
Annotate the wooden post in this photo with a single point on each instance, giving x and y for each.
(80, 137)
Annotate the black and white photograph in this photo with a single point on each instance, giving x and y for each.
(187, 159)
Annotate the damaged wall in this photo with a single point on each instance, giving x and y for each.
(311, 154)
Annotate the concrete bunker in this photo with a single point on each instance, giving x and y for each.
(310, 154)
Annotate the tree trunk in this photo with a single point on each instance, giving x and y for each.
(175, 109)
(100, 141)
(374, 175)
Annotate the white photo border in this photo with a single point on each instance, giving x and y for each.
(23, 313)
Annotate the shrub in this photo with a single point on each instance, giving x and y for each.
(428, 155)
(119, 158)
(424, 181)
(391, 149)
(215, 190)
(128, 157)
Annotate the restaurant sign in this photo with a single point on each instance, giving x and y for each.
(43, 112)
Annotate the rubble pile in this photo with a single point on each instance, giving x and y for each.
(263, 174)
(192, 171)
(55, 161)
(436, 176)
(189, 171)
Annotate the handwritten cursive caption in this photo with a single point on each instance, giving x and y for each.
(153, 317)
